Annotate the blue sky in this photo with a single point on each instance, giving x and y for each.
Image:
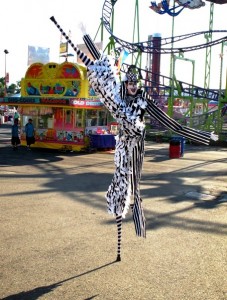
(26, 22)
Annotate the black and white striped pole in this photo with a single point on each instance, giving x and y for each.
(87, 61)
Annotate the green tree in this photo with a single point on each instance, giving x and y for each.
(13, 88)
(2, 86)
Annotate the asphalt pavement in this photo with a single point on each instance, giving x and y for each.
(58, 242)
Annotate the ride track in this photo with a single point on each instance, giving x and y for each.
(148, 47)
(181, 89)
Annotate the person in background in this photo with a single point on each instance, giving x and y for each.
(15, 140)
(16, 116)
(30, 134)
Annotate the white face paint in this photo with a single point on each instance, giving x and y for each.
(131, 87)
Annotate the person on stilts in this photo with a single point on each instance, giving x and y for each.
(127, 103)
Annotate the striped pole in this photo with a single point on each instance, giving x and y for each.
(91, 46)
(85, 59)
(119, 227)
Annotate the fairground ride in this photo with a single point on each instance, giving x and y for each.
(170, 88)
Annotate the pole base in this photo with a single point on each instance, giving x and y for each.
(118, 257)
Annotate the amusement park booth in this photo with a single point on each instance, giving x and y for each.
(65, 111)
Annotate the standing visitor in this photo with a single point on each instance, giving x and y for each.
(15, 140)
(30, 134)
(16, 116)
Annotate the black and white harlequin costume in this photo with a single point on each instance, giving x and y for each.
(129, 152)
(123, 191)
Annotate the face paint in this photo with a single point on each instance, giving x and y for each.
(132, 87)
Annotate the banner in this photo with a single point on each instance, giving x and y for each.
(63, 48)
(7, 77)
(38, 54)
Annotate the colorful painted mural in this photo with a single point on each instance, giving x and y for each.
(64, 108)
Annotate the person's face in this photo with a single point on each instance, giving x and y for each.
(132, 87)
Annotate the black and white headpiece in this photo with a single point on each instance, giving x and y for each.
(132, 74)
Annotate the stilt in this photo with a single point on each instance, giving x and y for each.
(119, 226)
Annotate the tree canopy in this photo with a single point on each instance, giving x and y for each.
(13, 88)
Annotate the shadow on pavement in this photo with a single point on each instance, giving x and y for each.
(42, 290)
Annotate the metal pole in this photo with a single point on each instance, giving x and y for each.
(171, 98)
(220, 101)
(6, 52)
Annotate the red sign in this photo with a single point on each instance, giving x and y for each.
(7, 77)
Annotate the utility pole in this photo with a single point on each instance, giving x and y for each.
(6, 75)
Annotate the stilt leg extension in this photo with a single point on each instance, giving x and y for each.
(119, 226)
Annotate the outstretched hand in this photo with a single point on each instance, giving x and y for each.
(214, 136)
(82, 28)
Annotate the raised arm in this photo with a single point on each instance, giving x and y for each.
(187, 132)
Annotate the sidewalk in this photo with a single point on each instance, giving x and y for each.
(58, 242)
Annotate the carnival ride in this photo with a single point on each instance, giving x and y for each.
(171, 88)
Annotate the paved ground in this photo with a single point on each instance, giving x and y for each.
(58, 242)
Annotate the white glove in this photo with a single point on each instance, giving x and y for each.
(214, 136)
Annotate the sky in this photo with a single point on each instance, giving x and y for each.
(26, 23)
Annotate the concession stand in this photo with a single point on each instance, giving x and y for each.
(66, 113)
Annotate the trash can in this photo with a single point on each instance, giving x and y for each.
(182, 143)
(174, 149)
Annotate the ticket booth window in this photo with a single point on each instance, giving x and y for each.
(91, 117)
(68, 116)
(79, 118)
(68, 119)
(102, 117)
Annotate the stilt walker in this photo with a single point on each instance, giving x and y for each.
(127, 104)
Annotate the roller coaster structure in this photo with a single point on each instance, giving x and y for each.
(170, 87)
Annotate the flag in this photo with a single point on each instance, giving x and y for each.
(123, 55)
(63, 48)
